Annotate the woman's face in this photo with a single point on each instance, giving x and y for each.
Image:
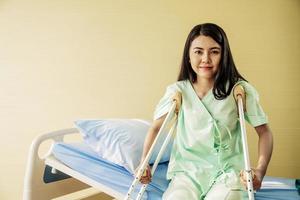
(205, 56)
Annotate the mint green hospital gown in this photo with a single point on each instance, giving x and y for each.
(207, 148)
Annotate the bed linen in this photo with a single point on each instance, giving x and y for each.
(80, 157)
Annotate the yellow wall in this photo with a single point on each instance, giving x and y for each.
(65, 60)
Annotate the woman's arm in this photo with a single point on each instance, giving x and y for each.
(265, 148)
(151, 135)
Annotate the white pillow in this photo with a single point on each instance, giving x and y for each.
(120, 141)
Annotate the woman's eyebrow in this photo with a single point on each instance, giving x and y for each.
(209, 48)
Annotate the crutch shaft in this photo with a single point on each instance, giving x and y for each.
(145, 162)
(245, 148)
(161, 151)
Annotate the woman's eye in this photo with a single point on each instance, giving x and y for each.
(215, 52)
(198, 52)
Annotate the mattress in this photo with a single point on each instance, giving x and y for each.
(84, 160)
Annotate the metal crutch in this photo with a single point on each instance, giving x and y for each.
(172, 112)
(240, 97)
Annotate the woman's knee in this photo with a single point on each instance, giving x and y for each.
(181, 187)
(179, 194)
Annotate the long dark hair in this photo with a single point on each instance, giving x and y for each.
(227, 74)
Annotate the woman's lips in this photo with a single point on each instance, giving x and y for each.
(205, 68)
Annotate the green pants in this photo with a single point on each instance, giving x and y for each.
(226, 187)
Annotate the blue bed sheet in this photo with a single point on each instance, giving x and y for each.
(83, 159)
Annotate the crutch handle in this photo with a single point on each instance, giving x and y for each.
(239, 91)
(178, 99)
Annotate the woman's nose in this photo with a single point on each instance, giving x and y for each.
(205, 58)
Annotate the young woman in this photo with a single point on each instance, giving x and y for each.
(207, 156)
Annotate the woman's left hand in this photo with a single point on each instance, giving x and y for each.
(257, 177)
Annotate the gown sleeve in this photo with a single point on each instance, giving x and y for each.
(165, 102)
(254, 114)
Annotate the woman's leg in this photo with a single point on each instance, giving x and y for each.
(181, 187)
(221, 192)
(227, 187)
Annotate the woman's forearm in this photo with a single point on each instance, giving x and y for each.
(148, 142)
(151, 135)
(265, 147)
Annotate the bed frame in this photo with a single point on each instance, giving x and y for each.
(48, 178)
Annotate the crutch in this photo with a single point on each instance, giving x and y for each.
(171, 114)
(240, 97)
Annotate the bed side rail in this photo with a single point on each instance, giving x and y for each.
(34, 185)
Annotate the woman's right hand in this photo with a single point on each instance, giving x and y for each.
(146, 177)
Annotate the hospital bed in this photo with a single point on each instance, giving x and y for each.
(69, 167)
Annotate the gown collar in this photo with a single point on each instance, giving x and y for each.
(206, 96)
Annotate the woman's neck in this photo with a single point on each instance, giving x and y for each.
(202, 86)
